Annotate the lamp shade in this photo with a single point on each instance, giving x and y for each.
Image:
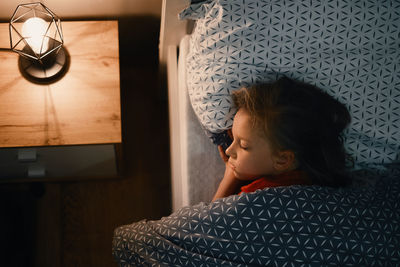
(35, 31)
(36, 35)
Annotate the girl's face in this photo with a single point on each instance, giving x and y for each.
(250, 154)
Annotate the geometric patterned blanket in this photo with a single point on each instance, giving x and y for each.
(283, 226)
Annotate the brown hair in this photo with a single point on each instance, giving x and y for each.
(302, 118)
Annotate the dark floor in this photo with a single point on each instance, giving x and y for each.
(71, 223)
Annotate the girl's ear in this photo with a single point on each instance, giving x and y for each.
(284, 161)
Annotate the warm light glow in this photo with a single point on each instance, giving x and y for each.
(34, 30)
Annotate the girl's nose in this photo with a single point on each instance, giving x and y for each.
(230, 151)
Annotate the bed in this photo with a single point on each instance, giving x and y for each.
(330, 62)
(351, 50)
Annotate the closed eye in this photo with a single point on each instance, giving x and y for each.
(243, 146)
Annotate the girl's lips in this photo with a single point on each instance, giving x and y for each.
(232, 166)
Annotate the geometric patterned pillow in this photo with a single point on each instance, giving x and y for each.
(351, 49)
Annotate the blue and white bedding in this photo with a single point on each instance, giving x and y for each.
(283, 226)
(349, 48)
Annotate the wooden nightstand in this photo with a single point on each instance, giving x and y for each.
(61, 119)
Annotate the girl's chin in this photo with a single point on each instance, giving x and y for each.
(244, 177)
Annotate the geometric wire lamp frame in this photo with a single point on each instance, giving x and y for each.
(36, 35)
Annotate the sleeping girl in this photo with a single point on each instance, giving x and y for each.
(284, 133)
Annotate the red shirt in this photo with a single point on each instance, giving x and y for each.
(295, 177)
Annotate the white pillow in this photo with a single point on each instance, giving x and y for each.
(348, 48)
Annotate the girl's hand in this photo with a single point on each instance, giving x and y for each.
(229, 184)
(223, 155)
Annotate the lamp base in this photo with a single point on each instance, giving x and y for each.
(49, 71)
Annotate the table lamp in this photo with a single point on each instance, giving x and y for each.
(36, 35)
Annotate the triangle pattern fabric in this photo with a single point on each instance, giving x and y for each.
(349, 48)
(282, 226)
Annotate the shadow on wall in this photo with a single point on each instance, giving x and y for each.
(138, 42)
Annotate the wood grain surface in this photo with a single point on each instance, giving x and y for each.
(83, 107)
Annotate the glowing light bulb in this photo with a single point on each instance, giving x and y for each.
(34, 30)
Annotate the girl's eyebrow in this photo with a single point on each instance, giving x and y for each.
(239, 137)
(243, 139)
